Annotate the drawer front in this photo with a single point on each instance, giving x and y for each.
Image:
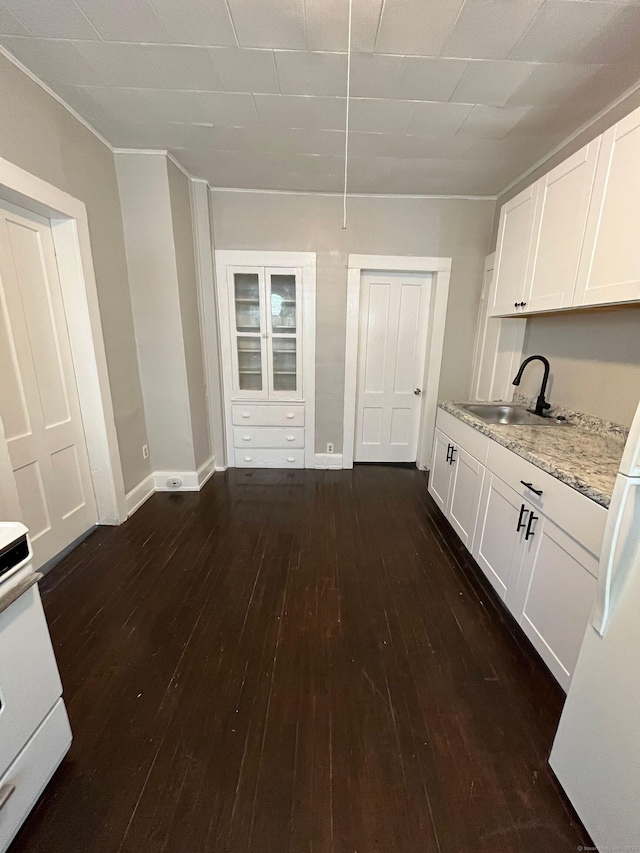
(268, 437)
(582, 518)
(269, 458)
(25, 780)
(268, 415)
(465, 436)
(29, 680)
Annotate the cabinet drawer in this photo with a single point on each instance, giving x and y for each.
(470, 439)
(29, 680)
(284, 415)
(25, 780)
(268, 437)
(275, 458)
(582, 518)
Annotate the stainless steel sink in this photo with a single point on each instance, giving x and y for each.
(505, 413)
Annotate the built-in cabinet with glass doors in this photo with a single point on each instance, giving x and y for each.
(262, 337)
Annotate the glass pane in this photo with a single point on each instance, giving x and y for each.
(283, 303)
(284, 364)
(247, 296)
(249, 364)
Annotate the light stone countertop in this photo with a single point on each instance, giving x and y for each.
(585, 454)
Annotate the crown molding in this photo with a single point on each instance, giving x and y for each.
(354, 195)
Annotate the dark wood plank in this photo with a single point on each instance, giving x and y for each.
(295, 661)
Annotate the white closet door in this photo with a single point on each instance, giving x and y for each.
(39, 401)
(248, 332)
(394, 318)
(284, 325)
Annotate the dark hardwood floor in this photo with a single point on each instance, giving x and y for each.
(289, 662)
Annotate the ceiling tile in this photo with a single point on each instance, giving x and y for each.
(429, 78)
(307, 73)
(182, 67)
(375, 75)
(62, 19)
(549, 82)
(433, 119)
(55, 62)
(380, 116)
(172, 105)
(491, 81)
(205, 22)
(245, 70)
(214, 138)
(119, 64)
(327, 23)
(230, 109)
(489, 29)
(293, 140)
(121, 104)
(11, 26)
(124, 20)
(327, 113)
(278, 23)
(563, 29)
(299, 111)
(492, 122)
(411, 26)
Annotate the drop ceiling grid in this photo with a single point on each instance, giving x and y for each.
(464, 98)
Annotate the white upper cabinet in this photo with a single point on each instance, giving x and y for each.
(610, 265)
(562, 205)
(513, 252)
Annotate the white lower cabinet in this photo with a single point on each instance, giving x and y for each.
(536, 539)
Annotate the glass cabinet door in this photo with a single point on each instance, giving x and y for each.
(249, 356)
(284, 317)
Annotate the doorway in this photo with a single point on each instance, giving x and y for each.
(39, 404)
(394, 320)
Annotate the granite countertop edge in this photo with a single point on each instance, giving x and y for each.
(569, 478)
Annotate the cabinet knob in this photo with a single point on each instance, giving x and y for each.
(523, 509)
(531, 488)
(248, 458)
(291, 438)
(291, 458)
(246, 438)
(246, 415)
(290, 415)
(530, 532)
(417, 391)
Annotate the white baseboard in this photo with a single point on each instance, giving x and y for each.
(192, 481)
(329, 461)
(139, 494)
(206, 470)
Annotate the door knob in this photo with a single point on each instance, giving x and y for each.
(417, 391)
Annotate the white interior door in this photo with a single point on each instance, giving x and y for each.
(39, 403)
(394, 319)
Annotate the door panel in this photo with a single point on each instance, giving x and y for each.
(39, 404)
(513, 251)
(392, 346)
(284, 321)
(497, 542)
(440, 473)
(464, 498)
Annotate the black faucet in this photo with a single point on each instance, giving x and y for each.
(541, 404)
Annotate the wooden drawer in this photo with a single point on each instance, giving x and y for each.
(268, 415)
(25, 780)
(268, 437)
(465, 436)
(582, 518)
(29, 680)
(274, 458)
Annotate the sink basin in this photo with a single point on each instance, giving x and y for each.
(505, 413)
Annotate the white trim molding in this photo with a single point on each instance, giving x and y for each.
(440, 268)
(139, 494)
(328, 461)
(192, 481)
(70, 231)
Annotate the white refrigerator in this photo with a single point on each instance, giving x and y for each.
(596, 751)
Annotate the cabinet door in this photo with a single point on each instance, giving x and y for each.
(464, 494)
(248, 334)
(556, 592)
(498, 541)
(440, 474)
(561, 217)
(513, 252)
(284, 321)
(610, 264)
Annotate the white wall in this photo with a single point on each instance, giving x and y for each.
(41, 136)
(595, 361)
(149, 240)
(183, 234)
(455, 228)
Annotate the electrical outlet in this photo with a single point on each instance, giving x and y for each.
(145, 451)
(330, 447)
